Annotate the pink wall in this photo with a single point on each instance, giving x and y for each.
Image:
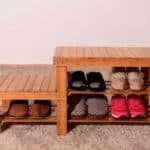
(31, 29)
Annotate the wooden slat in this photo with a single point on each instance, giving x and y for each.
(52, 84)
(88, 52)
(110, 91)
(45, 84)
(29, 85)
(22, 83)
(72, 52)
(109, 119)
(38, 83)
(13, 84)
(7, 82)
(2, 78)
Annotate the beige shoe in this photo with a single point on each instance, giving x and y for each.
(136, 80)
(119, 81)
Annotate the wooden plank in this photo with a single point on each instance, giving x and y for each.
(13, 84)
(45, 84)
(109, 119)
(29, 85)
(23, 81)
(2, 78)
(30, 95)
(111, 91)
(38, 83)
(88, 52)
(7, 82)
(52, 84)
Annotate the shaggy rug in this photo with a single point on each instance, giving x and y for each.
(83, 137)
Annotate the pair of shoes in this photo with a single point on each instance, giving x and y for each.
(94, 106)
(132, 107)
(92, 80)
(122, 80)
(20, 109)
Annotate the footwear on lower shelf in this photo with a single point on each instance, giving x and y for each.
(97, 106)
(119, 107)
(77, 107)
(95, 81)
(136, 106)
(40, 108)
(18, 109)
(133, 107)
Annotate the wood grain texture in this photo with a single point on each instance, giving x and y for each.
(102, 56)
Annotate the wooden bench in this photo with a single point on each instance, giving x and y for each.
(66, 57)
(28, 86)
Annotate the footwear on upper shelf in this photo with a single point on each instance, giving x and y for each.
(122, 80)
(136, 80)
(95, 81)
(92, 80)
(77, 80)
(119, 81)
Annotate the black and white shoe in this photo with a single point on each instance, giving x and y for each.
(77, 80)
(95, 81)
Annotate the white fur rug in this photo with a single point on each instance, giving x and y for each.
(83, 137)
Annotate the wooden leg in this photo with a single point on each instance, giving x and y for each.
(61, 73)
(6, 102)
(5, 106)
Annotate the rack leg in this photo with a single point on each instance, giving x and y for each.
(5, 106)
(61, 74)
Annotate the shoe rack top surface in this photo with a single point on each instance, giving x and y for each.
(28, 85)
(109, 56)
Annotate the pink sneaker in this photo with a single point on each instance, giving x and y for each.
(136, 107)
(119, 107)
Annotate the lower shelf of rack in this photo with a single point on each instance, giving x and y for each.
(10, 120)
(110, 120)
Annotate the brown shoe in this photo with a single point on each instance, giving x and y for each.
(18, 109)
(40, 108)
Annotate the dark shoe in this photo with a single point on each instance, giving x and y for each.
(95, 81)
(41, 108)
(97, 106)
(77, 80)
(18, 108)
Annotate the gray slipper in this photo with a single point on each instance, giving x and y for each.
(97, 106)
(77, 107)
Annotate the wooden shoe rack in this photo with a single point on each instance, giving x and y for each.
(26, 86)
(41, 86)
(66, 57)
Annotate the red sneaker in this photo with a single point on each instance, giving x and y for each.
(119, 107)
(136, 107)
